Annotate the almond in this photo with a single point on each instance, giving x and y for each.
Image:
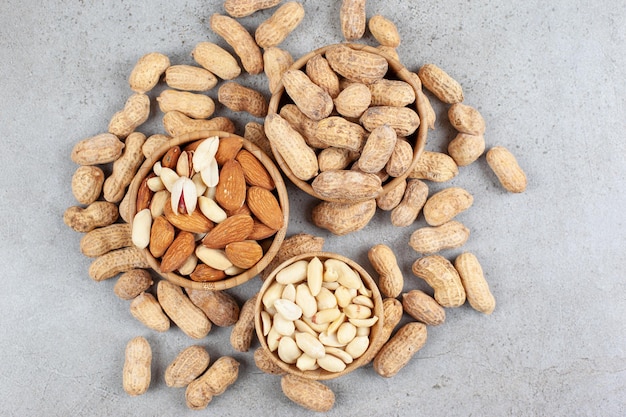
(205, 273)
(254, 171)
(261, 231)
(265, 207)
(181, 248)
(195, 222)
(161, 236)
(244, 254)
(144, 193)
(228, 149)
(235, 228)
(230, 192)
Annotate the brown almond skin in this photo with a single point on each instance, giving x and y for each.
(162, 235)
(205, 273)
(254, 171)
(195, 222)
(234, 229)
(244, 254)
(177, 253)
(399, 350)
(230, 191)
(227, 149)
(265, 206)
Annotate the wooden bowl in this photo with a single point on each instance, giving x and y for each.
(375, 330)
(396, 71)
(271, 244)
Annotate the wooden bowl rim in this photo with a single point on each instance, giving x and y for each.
(278, 238)
(403, 74)
(375, 332)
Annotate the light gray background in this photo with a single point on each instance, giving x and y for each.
(548, 78)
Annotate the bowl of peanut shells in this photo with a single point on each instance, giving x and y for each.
(344, 123)
(319, 315)
(209, 210)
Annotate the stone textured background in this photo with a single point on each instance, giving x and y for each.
(548, 78)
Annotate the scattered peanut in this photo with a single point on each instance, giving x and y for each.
(132, 283)
(189, 78)
(384, 31)
(473, 279)
(415, 196)
(434, 166)
(240, 40)
(148, 311)
(189, 318)
(384, 262)
(452, 234)
(446, 204)
(243, 330)
(440, 274)
(308, 393)
(243, 8)
(99, 149)
(422, 307)
(95, 215)
(87, 184)
(353, 19)
(507, 170)
(124, 168)
(188, 365)
(279, 25)
(222, 374)
(442, 85)
(399, 350)
(136, 111)
(239, 98)
(137, 366)
(216, 60)
(465, 149)
(147, 72)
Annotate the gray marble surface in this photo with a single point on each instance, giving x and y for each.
(549, 79)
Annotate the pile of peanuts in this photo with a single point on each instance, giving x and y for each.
(103, 211)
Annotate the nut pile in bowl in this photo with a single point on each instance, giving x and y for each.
(319, 314)
(209, 210)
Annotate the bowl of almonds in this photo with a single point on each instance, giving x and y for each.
(319, 315)
(209, 210)
(344, 123)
